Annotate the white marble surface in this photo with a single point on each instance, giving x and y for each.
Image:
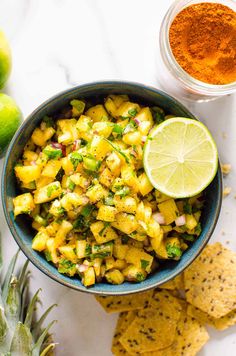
(60, 43)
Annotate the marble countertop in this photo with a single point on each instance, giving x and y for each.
(57, 44)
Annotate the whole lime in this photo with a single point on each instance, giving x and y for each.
(5, 59)
(10, 118)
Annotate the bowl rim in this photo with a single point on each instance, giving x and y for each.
(24, 247)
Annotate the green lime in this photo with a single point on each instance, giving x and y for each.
(180, 157)
(10, 118)
(5, 59)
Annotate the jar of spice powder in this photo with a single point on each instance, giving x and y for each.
(197, 49)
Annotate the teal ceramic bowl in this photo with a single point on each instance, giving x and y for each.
(20, 227)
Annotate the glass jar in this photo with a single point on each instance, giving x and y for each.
(171, 76)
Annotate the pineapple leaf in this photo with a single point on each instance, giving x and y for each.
(47, 350)
(3, 326)
(13, 303)
(22, 341)
(24, 302)
(7, 279)
(0, 253)
(23, 275)
(37, 327)
(38, 344)
(31, 309)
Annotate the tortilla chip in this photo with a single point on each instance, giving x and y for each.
(113, 304)
(175, 283)
(153, 328)
(190, 337)
(210, 281)
(219, 323)
(124, 320)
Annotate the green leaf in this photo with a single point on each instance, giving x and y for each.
(158, 114)
(38, 344)
(188, 237)
(140, 277)
(31, 309)
(3, 326)
(23, 275)
(173, 251)
(8, 276)
(13, 303)
(123, 192)
(52, 153)
(87, 210)
(48, 121)
(51, 189)
(71, 185)
(144, 264)
(118, 129)
(67, 267)
(36, 330)
(22, 341)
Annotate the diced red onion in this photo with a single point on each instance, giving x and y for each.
(158, 217)
(82, 268)
(180, 221)
(57, 145)
(76, 145)
(33, 163)
(144, 139)
(137, 121)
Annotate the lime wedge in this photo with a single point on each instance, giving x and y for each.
(180, 157)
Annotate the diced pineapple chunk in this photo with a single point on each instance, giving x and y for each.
(96, 193)
(106, 178)
(47, 193)
(113, 162)
(68, 252)
(125, 223)
(67, 165)
(128, 109)
(60, 238)
(134, 274)
(144, 127)
(103, 232)
(29, 156)
(160, 197)
(56, 208)
(39, 241)
(106, 213)
(83, 249)
(71, 201)
(120, 264)
(156, 241)
(99, 148)
(160, 249)
(113, 102)
(69, 131)
(51, 249)
(42, 181)
(145, 115)
(78, 179)
(103, 128)
(40, 137)
(169, 210)
(120, 251)
(132, 138)
(139, 258)
(129, 177)
(23, 204)
(27, 174)
(51, 169)
(145, 185)
(126, 204)
(110, 263)
(191, 222)
(97, 263)
(97, 113)
(114, 277)
(53, 228)
(84, 125)
(89, 277)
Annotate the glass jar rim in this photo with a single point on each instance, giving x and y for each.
(169, 58)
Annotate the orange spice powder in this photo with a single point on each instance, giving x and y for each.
(203, 40)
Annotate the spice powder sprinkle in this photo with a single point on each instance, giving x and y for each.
(203, 41)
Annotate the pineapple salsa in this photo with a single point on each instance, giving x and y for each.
(95, 213)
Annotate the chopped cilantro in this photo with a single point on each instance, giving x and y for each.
(106, 224)
(140, 277)
(75, 158)
(87, 210)
(132, 112)
(48, 121)
(187, 208)
(67, 267)
(51, 189)
(91, 164)
(109, 200)
(188, 237)
(88, 250)
(123, 191)
(158, 114)
(144, 264)
(100, 255)
(198, 229)
(173, 251)
(48, 255)
(52, 153)
(118, 129)
(71, 185)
